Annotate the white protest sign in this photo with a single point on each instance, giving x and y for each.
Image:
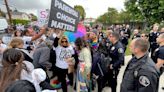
(42, 17)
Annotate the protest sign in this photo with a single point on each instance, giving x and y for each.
(62, 16)
(42, 17)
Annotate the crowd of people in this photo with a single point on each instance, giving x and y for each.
(27, 57)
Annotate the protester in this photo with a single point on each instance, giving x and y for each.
(17, 33)
(29, 37)
(84, 66)
(18, 43)
(141, 74)
(40, 59)
(64, 51)
(93, 40)
(14, 66)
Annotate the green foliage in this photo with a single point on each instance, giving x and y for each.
(18, 21)
(150, 10)
(109, 17)
(124, 17)
(33, 17)
(128, 52)
(81, 10)
(113, 16)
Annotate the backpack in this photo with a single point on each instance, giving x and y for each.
(100, 64)
(105, 62)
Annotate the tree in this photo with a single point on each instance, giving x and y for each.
(150, 10)
(103, 19)
(33, 17)
(110, 17)
(124, 17)
(81, 10)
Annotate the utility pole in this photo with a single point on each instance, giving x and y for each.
(8, 11)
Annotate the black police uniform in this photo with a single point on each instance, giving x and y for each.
(124, 41)
(140, 75)
(159, 54)
(117, 55)
(127, 32)
(153, 44)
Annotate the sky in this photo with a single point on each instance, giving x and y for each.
(93, 8)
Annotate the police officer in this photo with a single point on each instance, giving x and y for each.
(116, 53)
(159, 54)
(141, 74)
(152, 39)
(127, 31)
(124, 40)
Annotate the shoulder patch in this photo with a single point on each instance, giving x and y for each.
(120, 50)
(144, 81)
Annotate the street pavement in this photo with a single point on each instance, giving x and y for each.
(107, 89)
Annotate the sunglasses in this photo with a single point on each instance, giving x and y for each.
(64, 41)
(143, 36)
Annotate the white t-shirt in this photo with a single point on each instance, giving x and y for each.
(61, 54)
(27, 40)
(4, 46)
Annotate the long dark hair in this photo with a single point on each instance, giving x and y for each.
(80, 43)
(12, 67)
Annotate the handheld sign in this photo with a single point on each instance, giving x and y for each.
(42, 17)
(63, 16)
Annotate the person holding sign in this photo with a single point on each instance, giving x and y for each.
(29, 37)
(64, 54)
